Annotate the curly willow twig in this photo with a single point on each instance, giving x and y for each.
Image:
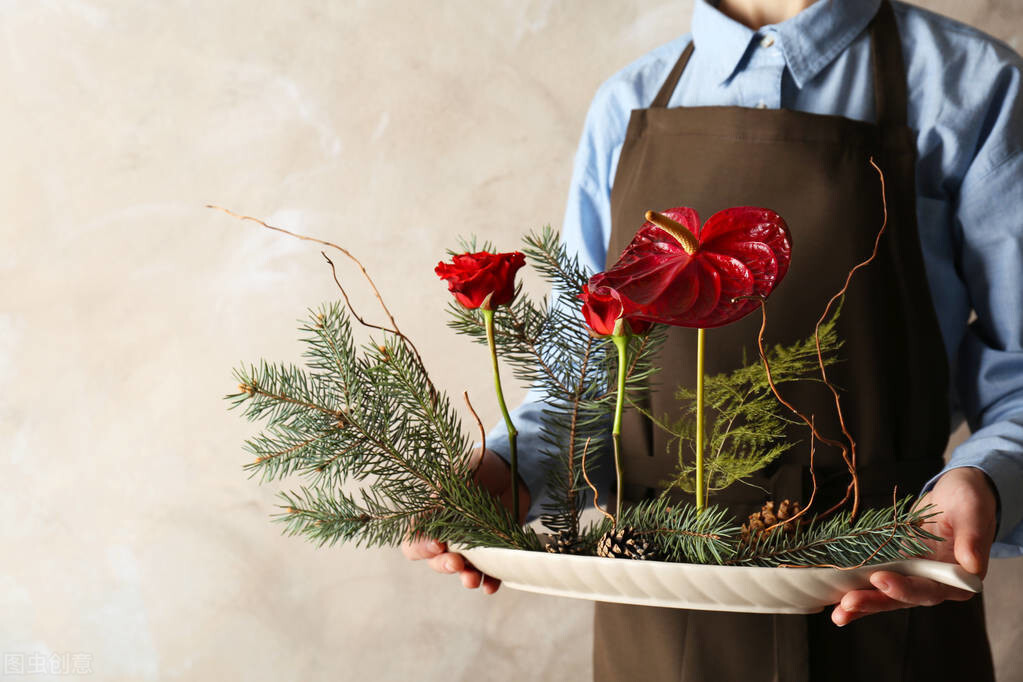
(848, 453)
(809, 421)
(483, 432)
(855, 483)
(596, 493)
(393, 329)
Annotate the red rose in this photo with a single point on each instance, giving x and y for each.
(603, 307)
(482, 279)
(692, 280)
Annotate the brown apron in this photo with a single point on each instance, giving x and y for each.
(814, 170)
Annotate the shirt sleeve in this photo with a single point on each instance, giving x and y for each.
(988, 378)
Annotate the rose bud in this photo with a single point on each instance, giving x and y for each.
(482, 280)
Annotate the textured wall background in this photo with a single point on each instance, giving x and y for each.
(130, 534)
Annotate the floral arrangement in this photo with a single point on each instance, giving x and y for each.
(383, 454)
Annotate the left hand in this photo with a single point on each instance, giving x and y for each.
(966, 499)
(492, 473)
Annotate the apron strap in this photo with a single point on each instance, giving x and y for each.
(890, 96)
(661, 101)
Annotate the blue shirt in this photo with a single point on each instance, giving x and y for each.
(965, 103)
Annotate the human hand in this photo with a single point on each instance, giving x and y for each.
(967, 502)
(493, 475)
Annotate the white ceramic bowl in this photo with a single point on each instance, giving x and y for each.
(694, 586)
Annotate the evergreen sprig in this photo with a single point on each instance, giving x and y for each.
(876, 536)
(680, 532)
(368, 416)
(329, 516)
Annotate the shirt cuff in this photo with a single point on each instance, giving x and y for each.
(998, 456)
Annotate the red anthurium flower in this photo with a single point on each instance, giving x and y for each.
(603, 307)
(676, 273)
(482, 280)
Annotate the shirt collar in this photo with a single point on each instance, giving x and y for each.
(810, 40)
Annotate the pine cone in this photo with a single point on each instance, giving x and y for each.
(626, 543)
(563, 542)
(765, 518)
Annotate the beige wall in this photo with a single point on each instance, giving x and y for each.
(130, 533)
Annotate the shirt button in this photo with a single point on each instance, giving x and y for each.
(767, 41)
(761, 104)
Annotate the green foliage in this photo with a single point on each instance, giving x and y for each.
(680, 533)
(382, 455)
(745, 423)
(549, 347)
(876, 536)
(368, 416)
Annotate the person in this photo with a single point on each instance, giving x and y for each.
(782, 103)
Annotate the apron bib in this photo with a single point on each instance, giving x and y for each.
(814, 170)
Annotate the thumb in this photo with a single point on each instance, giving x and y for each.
(969, 504)
(971, 544)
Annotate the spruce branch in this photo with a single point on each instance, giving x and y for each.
(680, 533)
(550, 258)
(842, 541)
(367, 415)
(373, 415)
(330, 517)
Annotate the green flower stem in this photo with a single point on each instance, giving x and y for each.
(700, 503)
(513, 453)
(621, 342)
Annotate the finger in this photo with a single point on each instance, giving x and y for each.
(915, 591)
(448, 562)
(866, 602)
(471, 578)
(969, 501)
(841, 617)
(490, 584)
(972, 549)
(422, 548)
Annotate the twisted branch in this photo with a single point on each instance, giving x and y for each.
(483, 433)
(809, 421)
(572, 432)
(848, 453)
(596, 493)
(854, 484)
(393, 329)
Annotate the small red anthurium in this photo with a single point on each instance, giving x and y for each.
(606, 313)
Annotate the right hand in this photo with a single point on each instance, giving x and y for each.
(493, 474)
(968, 502)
